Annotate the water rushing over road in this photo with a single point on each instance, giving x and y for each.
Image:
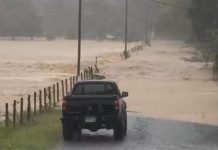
(151, 134)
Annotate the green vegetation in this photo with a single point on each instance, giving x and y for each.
(205, 26)
(204, 19)
(195, 21)
(40, 134)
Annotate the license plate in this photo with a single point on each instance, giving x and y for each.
(90, 119)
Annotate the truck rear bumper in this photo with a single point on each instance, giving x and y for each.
(101, 122)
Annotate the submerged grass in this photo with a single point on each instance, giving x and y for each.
(40, 134)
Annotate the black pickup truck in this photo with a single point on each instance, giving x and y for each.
(94, 105)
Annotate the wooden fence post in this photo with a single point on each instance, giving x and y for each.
(40, 101)
(6, 115)
(84, 74)
(45, 96)
(49, 97)
(58, 97)
(54, 101)
(28, 108)
(14, 113)
(91, 73)
(34, 103)
(71, 84)
(81, 76)
(62, 86)
(66, 86)
(74, 80)
(87, 73)
(21, 111)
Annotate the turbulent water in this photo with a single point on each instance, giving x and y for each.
(27, 66)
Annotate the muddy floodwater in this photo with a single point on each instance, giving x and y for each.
(163, 82)
(27, 66)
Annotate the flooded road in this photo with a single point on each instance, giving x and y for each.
(161, 85)
(151, 134)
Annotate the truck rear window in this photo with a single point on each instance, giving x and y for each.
(95, 89)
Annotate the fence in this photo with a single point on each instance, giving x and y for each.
(132, 50)
(41, 101)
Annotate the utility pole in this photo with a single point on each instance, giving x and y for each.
(146, 22)
(126, 29)
(147, 25)
(79, 37)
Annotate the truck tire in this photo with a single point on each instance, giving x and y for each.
(125, 124)
(77, 133)
(119, 131)
(67, 132)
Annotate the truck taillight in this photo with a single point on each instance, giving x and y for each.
(64, 104)
(116, 104)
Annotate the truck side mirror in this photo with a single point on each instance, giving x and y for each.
(125, 94)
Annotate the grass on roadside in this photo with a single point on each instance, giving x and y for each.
(40, 134)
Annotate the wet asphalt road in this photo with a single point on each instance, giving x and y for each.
(150, 134)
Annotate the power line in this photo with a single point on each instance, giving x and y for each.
(170, 5)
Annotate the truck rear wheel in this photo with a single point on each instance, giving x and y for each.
(119, 132)
(77, 133)
(125, 125)
(67, 133)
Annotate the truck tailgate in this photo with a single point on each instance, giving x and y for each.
(90, 105)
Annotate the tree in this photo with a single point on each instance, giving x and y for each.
(99, 18)
(30, 25)
(18, 19)
(173, 22)
(204, 18)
